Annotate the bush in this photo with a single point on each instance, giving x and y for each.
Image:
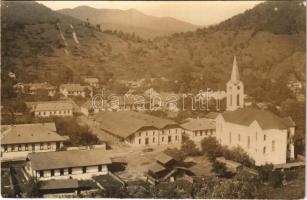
(211, 147)
(291, 175)
(265, 171)
(275, 179)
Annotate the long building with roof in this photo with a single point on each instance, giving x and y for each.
(139, 129)
(78, 164)
(266, 137)
(51, 108)
(19, 140)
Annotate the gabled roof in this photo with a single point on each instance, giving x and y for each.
(66, 159)
(265, 119)
(59, 184)
(199, 124)
(74, 87)
(164, 158)
(129, 122)
(53, 105)
(156, 168)
(31, 133)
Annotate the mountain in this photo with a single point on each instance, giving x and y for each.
(130, 21)
(59, 49)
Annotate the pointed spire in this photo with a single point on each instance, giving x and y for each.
(235, 72)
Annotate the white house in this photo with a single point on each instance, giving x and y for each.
(76, 164)
(19, 140)
(94, 82)
(51, 108)
(266, 137)
(75, 90)
(139, 129)
(198, 129)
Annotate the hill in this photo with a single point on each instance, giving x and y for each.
(59, 48)
(130, 21)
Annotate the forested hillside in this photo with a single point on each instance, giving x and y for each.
(56, 48)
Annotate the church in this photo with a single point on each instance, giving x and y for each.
(264, 136)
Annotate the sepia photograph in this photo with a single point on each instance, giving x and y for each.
(153, 99)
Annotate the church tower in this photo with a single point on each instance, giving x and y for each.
(235, 89)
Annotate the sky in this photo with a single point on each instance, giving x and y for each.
(196, 12)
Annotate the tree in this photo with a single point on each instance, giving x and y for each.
(32, 189)
(211, 147)
(276, 178)
(189, 148)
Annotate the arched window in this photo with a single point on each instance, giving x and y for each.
(238, 99)
(230, 100)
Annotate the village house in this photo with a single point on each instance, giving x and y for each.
(88, 108)
(51, 108)
(36, 89)
(77, 164)
(127, 103)
(19, 140)
(266, 137)
(198, 129)
(166, 168)
(139, 129)
(94, 82)
(76, 90)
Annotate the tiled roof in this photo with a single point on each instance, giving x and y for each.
(199, 124)
(53, 105)
(129, 122)
(74, 87)
(31, 133)
(265, 119)
(156, 168)
(58, 184)
(66, 159)
(164, 158)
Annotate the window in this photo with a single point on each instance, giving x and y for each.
(48, 146)
(264, 150)
(162, 139)
(41, 146)
(201, 133)
(19, 147)
(52, 172)
(139, 134)
(99, 168)
(33, 147)
(153, 133)
(153, 140)
(264, 137)
(61, 172)
(248, 141)
(69, 170)
(239, 137)
(169, 138)
(195, 133)
(13, 148)
(26, 147)
(84, 170)
(41, 173)
(176, 137)
(273, 145)
(238, 99)
(140, 141)
(44, 113)
(5, 148)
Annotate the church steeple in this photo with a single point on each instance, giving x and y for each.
(235, 78)
(235, 89)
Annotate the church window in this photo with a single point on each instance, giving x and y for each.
(238, 99)
(273, 145)
(256, 136)
(230, 102)
(248, 141)
(264, 150)
(264, 137)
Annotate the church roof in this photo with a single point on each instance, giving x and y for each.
(265, 119)
(235, 78)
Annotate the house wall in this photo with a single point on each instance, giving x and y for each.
(264, 146)
(13, 152)
(61, 113)
(152, 136)
(77, 172)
